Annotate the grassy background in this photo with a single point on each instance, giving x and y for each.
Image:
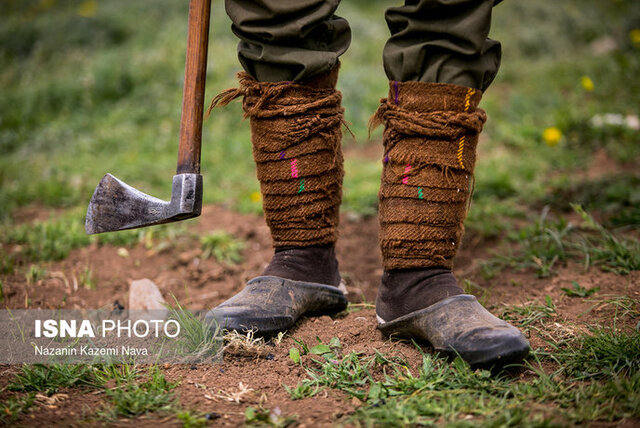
(94, 87)
(90, 87)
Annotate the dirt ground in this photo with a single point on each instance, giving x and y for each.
(201, 284)
(257, 380)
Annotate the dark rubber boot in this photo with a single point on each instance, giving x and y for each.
(459, 325)
(269, 304)
(297, 281)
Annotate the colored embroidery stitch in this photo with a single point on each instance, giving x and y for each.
(282, 154)
(395, 86)
(467, 101)
(467, 98)
(460, 151)
(386, 159)
(301, 185)
(420, 193)
(405, 179)
(294, 168)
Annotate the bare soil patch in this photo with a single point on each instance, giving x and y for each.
(225, 390)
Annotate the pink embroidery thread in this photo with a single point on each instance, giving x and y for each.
(405, 179)
(294, 168)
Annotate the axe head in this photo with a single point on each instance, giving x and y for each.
(117, 206)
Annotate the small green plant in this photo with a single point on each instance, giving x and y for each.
(223, 246)
(605, 249)
(136, 398)
(13, 407)
(579, 291)
(602, 352)
(86, 278)
(294, 355)
(7, 262)
(302, 390)
(48, 379)
(191, 420)
(35, 274)
(198, 341)
(530, 313)
(118, 373)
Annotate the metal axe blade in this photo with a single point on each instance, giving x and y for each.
(117, 206)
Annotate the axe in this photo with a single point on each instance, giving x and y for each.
(117, 206)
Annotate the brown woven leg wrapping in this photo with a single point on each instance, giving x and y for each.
(296, 135)
(430, 137)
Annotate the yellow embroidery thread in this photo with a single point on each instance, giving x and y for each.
(467, 101)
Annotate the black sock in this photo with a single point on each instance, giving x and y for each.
(403, 291)
(311, 264)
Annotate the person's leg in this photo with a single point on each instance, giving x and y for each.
(288, 40)
(438, 60)
(290, 50)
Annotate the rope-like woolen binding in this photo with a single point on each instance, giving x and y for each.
(296, 136)
(430, 138)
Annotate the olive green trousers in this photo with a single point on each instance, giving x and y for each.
(442, 41)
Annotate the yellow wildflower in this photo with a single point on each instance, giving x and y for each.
(634, 35)
(255, 197)
(587, 83)
(552, 136)
(87, 8)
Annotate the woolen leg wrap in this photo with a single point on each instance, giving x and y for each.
(296, 135)
(430, 137)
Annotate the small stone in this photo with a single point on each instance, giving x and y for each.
(144, 295)
(186, 257)
(211, 416)
(193, 367)
(123, 252)
(270, 356)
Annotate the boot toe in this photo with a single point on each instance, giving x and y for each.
(490, 346)
(244, 319)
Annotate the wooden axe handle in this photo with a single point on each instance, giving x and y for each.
(195, 71)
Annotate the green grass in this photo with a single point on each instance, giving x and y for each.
(49, 379)
(89, 93)
(130, 390)
(111, 97)
(136, 398)
(549, 243)
(191, 420)
(223, 246)
(529, 314)
(198, 341)
(13, 407)
(442, 393)
(55, 238)
(616, 198)
(35, 274)
(603, 352)
(577, 290)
